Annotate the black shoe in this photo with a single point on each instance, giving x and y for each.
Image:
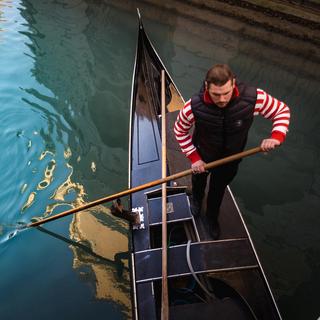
(214, 229)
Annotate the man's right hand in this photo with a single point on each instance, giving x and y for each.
(198, 167)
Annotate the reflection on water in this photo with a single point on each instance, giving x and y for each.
(3, 4)
(64, 145)
(64, 55)
(100, 231)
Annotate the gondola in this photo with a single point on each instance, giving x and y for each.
(207, 279)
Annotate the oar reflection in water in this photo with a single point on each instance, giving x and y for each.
(116, 263)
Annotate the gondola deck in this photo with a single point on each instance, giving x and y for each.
(229, 268)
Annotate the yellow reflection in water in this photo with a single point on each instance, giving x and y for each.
(29, 201)
(68, 186)
(44, 153)
(105, 242)
(63, 190)
(48, 175)
(96, 230)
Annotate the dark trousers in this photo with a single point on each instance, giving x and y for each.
(220, 177)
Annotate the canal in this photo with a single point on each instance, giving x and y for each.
(66, 69)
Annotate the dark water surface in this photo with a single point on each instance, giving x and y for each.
(64, 106)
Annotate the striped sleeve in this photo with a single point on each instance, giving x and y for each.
(275, 110)
(182, 126)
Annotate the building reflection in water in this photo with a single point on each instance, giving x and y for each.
(81, 155)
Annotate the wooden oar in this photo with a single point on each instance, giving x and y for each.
(164, 300)
(175, 176)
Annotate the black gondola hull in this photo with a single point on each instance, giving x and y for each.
(230, 267)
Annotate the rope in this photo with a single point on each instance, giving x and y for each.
(194, 274)
(210, 294)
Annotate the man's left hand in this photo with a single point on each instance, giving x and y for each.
(269, 144)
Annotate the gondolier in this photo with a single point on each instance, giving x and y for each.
(222, 114)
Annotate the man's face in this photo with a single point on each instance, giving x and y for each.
(221, 95)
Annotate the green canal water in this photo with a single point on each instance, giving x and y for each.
(65, 86)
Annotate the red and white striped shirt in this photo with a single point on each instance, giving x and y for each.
(266, 105)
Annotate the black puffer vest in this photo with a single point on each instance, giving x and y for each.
(220, 132)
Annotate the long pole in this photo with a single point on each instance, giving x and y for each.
(151, 184)
(165, 302)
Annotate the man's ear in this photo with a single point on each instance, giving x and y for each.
(206, 85)
(233, 82)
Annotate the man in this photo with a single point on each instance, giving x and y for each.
(222, 114)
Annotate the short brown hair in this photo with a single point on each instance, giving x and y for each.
(219, 75)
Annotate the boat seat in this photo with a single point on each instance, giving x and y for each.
(178, 208)
(217, 310)
(209, 256)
